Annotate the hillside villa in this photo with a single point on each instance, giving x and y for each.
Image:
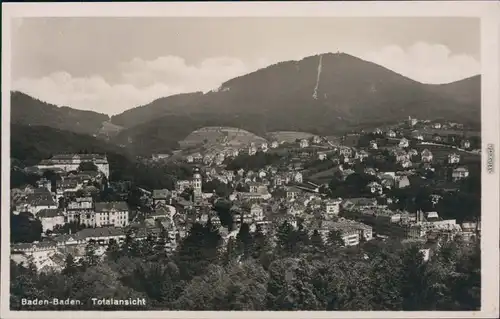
(71, 162)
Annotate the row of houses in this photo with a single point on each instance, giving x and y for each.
(84, 212)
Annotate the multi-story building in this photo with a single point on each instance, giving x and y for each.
(291, 193)
(111, 214)
(332, 207)
(71, 162)
(256, 212)
(258, 188)
(78, 207)
(81, 203)
(350, 231)
(50, 218)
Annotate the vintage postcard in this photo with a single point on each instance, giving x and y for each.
(250, 159)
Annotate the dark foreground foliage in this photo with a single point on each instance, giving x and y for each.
(252, 274)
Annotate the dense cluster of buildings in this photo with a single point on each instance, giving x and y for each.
(264, 198)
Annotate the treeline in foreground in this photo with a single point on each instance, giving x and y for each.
(298, 272)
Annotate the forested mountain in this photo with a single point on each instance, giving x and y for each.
(27, 110)
(153, 110)
(323, 94)
(30, 144)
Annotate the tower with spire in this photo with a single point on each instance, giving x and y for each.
(197, 183)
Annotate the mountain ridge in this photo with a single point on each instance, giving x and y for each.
(322, 94)
(28, 110)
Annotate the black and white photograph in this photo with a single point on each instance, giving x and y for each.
(161, 163)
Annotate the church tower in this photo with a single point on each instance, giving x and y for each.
(197, 180)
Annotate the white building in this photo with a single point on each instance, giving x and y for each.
(71, 162)
(303, 143)
(297, 177)
(453, 158)
(50, 218)
(460, 173)
(332, 207)
(111, 214)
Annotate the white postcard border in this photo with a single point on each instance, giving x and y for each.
(488, 11)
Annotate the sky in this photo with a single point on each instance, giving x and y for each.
(109, 65)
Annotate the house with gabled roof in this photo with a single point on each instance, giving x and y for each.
(460, 173)
(391, 133)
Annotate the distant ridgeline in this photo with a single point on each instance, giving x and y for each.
(326, 94)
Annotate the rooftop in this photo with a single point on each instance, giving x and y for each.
(49, 213)
(107, 206)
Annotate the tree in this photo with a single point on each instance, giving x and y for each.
(52, 177)
(87, 166)
(134, 197)
(223, 209)
(220, 188)
(335, 239)
(242, 188)
(287, 239)
(422, 199)
(70, 267)
(90, 259)
(187, 194)
(415, 283)
(302, 236)
(245, 240)
(233, 287)
(19, 178)
(113, 250)
(158, 281)
(24, 228)
(198, 250)
(23, 284)
(317, 241)
(290, 286)
(160, 244)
